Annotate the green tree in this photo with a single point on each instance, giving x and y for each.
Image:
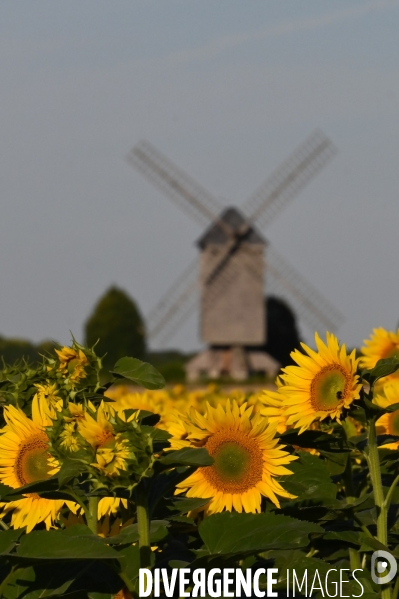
(117, 323)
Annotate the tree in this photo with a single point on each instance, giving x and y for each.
(282, 332)
(117, 323)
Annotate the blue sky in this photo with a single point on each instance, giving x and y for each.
(227, 90)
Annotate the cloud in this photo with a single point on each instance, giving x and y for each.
(228, 42)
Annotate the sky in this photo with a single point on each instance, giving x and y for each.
(227, 90)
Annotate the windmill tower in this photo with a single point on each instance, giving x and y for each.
(236, 317)
(232, 264)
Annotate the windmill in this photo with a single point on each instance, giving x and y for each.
(232, 263)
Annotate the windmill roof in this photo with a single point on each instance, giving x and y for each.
(234, 219)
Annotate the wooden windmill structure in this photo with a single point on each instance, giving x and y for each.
(231, 277)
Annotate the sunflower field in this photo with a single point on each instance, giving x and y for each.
(101, 480)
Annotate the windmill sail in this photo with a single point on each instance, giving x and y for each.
(180, 188)
(289, 179)
(175, 306)
(308, 303)
(226, 260)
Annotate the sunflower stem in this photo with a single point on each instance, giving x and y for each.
(379, 500)
(92, 514)
(396, 589)
(354, 557)
(130, 587)
(143, 524)
(392, 488)
(4, 525)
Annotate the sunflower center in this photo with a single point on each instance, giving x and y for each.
(394, 423)
(329, 388)
(232, 461)
(32, 462)
(238, 463)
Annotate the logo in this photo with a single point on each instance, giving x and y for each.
(383, 558)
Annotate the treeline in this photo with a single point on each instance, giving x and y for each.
(118, 329)
(12, 350)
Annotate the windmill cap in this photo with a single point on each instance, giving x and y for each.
(235, 220)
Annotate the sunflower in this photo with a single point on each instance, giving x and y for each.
(273, 407)
(72, 363)
(247, 458)
(382, 344)
(323, 384)
(48, 393)
(388, 424)
(69, 438)
(110, 505)
(97, 431)
(123, 398)
(111, 449)
(24, 459)
(110, 458)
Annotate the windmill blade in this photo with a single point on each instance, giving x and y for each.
(183, 190)
(175, 306)
(285, 281)
(308, 303)
(289, 179)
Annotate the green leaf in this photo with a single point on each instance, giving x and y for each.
(187, 504)
(344, 536)
(55, 545)
(130, 561)
(188, 456)
(40, 486)
(335, 461)
(229, 532)
(310, 480)
(130, 534)
(369, 543)
(140, 372)
(158, 435)
(383, 368)
(309, 439)
(77, 530)
(69, 470)
(8, 540)
(54, 581)
(5, 490)
(296, 560)
(19, 583)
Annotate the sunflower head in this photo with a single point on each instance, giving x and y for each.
(111, 456)
(273, 407)
(322, 384)
(69, 437)
(24, 458)
(48, 393)
(98, 430)
(388, 424)
(382, 344)
(72, 363)
(247, 458)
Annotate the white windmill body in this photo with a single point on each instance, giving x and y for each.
(231, 276)
(235, 320)
(236, 317)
